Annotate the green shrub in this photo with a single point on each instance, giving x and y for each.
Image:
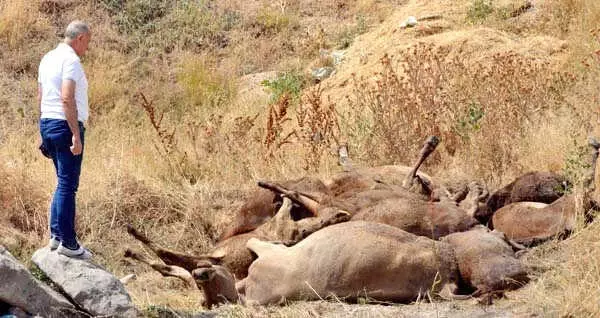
(471, 122)
(290, 83)
(138, 15)
(479, 10)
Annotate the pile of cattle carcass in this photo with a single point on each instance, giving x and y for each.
(387, 233)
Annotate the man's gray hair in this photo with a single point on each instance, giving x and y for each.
(76, 28)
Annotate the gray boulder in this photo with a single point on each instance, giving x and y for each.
(20, 289)
(89, 285)
(322, 73)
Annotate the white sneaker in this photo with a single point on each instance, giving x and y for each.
(53, 243)
(80, 253)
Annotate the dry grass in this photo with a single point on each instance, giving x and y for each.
(21, 20)
(526, 84)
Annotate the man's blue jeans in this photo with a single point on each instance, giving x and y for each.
(57, 139)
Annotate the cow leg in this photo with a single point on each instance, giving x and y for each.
(329, 216)
(428, 148)
(310, 203)
(189, 262)
(165, 270)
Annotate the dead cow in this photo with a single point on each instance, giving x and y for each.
(530, 223)
(350, 260)
(263, 203)
(537, 186)
(215, 281)
(487, 262)
(232, 252)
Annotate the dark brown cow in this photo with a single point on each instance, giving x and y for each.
(537, 186)
(530, 223)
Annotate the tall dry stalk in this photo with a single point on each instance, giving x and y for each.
(277, 133)
(318, 128)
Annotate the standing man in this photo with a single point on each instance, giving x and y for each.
(63, 99)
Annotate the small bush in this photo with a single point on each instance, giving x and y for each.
(271, 21)
(318, 129)
(577, 163)
(347, 35)
(289, 83)
(204, 87)
(479, 10)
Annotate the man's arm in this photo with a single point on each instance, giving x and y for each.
(70, 109)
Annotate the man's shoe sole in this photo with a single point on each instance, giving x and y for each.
(83, 255)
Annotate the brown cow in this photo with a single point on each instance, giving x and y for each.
(537, 186)
(232, 252)
(397, 207)
(487, 262)
(530, 223)
(215, 281)
(350, 260)
(263, 204)
(376, 261)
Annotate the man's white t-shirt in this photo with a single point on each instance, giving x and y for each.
(58, 65)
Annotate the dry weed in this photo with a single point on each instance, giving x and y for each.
(318, 129)
(469, 104)
(277, 133)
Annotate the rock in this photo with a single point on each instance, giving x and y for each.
(89, 285)
(409, 23)
(338, 57)
(20, 289)
(322, 73)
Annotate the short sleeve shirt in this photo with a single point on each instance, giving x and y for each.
(56, 66)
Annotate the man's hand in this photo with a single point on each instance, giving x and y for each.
(76, 148)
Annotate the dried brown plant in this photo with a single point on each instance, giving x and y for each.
(318, 127)
(276, 134)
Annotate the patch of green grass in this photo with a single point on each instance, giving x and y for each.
(192, 25)
(471, 122)
(157, 311)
